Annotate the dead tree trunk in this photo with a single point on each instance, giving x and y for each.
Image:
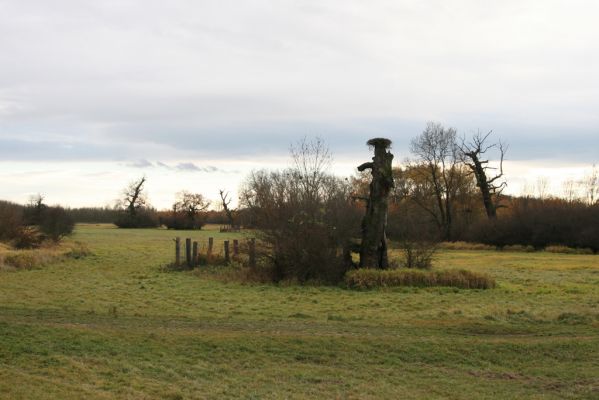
(373, 251)
(228, 211)
(490, 188)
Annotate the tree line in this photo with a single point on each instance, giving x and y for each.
(450, 188)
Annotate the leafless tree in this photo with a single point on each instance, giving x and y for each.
(542, 187)
(590, 184)
(191, 204)
(472, 154)
(312, 160)
(134, 197)
(437, 152)
(226, 201)
(570, 190)
(303, 214)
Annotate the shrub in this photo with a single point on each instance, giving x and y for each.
(55, 223)
(28, 238)
(305, 216)
(143, 218)
(566, 250)
(180, 220)
(11, 220)
(373, 278)
(417, 254)
(518, 248)
(460, 245)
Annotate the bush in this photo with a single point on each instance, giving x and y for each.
(180, 221)
(55, 223)
(143, 218)
(11, 220)
(541, 223)
(305, 216)
(518, 248)
(460, 245)
(417, 254)
(366, 278)
(566, 250)
(28, 238)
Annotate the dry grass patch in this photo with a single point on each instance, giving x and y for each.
(13, 259)
(374, 278)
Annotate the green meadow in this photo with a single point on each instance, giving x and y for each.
(116, 324)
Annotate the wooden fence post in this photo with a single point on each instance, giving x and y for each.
(195, 254)
(252, 250)
(188, 252)
(210, 246)
(226, 252)
(235, 249)
(177, 251)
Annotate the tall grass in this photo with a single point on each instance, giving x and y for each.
(373, 278)
(11, 259)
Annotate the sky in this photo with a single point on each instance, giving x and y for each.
(195, 94)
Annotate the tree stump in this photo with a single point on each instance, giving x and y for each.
(373, 250)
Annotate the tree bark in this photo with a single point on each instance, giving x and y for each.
(373, 251)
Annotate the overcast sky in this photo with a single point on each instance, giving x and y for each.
(194, 94)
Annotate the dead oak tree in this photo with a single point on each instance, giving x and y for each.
(373, 251)
(472, 154)
(226, 201)
(134, 197)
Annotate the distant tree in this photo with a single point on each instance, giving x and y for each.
(136, 212)
(45, 222)
(56, 223)
(134, 197)
(225, 202)
(472, 153)
(590, 184)
(437, 154)
(187, 211)
(35, 209)
(11, 220)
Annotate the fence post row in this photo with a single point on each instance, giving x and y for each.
(192, 251)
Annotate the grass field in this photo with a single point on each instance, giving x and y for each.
(114, 325)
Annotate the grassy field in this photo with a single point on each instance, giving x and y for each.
(114, 325)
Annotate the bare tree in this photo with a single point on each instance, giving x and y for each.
(191, 204)
(226, 201)
(437, 152)
(134, 197)
(542, 187)
(590, 184)
(570, 190)
(312, 160)
(304, 215)
(472, 153)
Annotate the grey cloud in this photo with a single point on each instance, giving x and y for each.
(142, 163)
